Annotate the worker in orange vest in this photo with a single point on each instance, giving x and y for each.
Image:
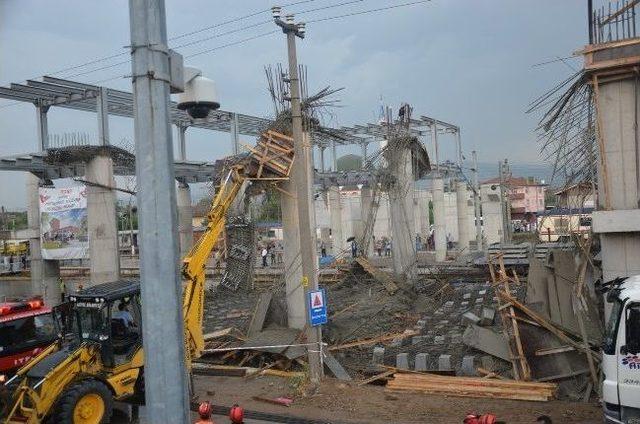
(205, 410)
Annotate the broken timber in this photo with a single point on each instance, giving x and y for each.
(472, 387)
(381, 276)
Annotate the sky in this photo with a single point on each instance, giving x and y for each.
(471, 63)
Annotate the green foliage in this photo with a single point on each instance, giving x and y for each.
(270, 211)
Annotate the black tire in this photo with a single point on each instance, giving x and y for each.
(65, 407)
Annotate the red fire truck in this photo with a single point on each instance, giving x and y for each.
(26, 327)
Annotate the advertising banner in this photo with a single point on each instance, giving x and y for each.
(63, 223)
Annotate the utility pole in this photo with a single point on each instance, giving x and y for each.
(476, 202)
(167, 391)
(302, 173)
(503, 169)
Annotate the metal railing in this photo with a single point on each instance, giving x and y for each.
(614, 21)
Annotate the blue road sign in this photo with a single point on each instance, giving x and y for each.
(317, 307)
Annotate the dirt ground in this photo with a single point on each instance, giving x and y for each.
(338, 402)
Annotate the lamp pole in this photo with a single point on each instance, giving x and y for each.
(302, 173)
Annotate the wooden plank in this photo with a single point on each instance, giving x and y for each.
(376, 377)
(475, 381)
(489, 374)
(563, 376)
(553, 350)
(374, 340)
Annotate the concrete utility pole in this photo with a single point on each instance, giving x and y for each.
(167, 392)
(303, 177)
(476, 202)
(503, 169)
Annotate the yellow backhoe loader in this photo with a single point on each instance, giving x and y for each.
(99, 357)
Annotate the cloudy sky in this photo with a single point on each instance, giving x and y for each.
(471, 63)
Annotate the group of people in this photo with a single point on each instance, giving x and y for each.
(271, 251)
(383, 246)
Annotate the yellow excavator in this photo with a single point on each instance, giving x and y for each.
(99, 356)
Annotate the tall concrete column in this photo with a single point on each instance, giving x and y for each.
(335, 212)
(462, 197)
(366, 205)
(44, 273)
(440, 230)
(402, 211)
(103, 230)
(334, 157)
(492, 213)
(296, 312)
(322, 158)
(185, 218)
(617, 219)
(235, 134)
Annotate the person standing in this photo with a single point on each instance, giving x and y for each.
(388, 248)
(272, 253)
(279, 252)
(63, 289)
(354, 249)
(323, 249)
(264, 256)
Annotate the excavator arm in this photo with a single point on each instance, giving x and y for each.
(194, 263)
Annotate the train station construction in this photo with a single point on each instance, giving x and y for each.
(315, 272)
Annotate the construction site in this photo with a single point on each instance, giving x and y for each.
(309, 271)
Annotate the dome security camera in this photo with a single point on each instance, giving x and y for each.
(199, 96)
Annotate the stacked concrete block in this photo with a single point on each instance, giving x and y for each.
(402, 361)
(468, 365)
(444, 363)
(421, 362)
(378, 356)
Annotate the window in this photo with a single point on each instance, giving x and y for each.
(633, 328)
(611, 332)
(25, 333)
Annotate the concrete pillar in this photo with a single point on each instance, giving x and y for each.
(463, 218)
(366, 205)
(334, 157)
(363, 146)
(335, 212)
(43, 128)
(618, 215)
(440, 230)
(185, 218)
(44, 273)
(182, 142)
(491, 213)
(402, 211)
(296, 312)
(235, 134)
(103, 230)
(102, 110)
(322, 158)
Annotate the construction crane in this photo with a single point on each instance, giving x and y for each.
(100, 358)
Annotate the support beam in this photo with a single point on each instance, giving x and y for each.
(235, 134)
(102, 111)
(321, 158)
(402, 219)
(101, 213)
(43, 127)
(45, 274)
(440, 234)
(462, 197)
(335, 212)
(366, 205)
(185, 218)
(334, 157)
(476, 203)
(363, 146)
(296, 312)
(434, 141)
(182, 142)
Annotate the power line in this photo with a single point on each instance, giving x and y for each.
(364, 12)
